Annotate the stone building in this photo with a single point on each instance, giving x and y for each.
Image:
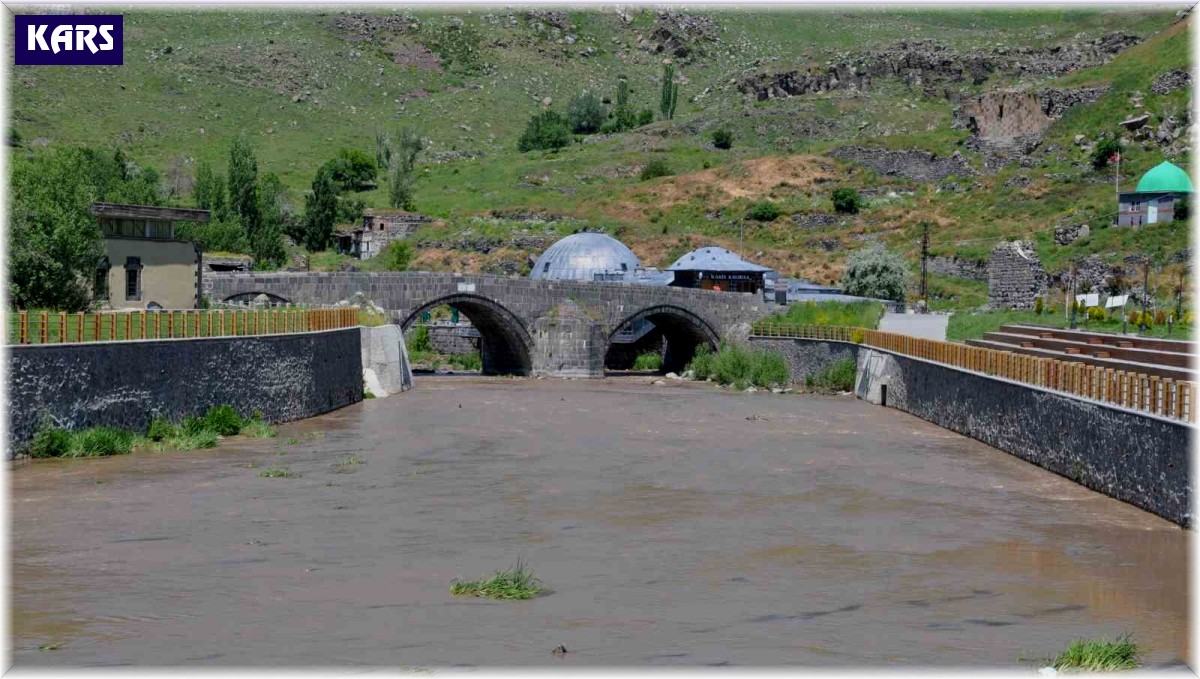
(1156, 195)
(713, 268)
(145, 265)
(378, 229)
(1015, 276)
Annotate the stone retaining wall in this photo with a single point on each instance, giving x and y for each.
(126, 384)
(1133, 457)
(807, 358)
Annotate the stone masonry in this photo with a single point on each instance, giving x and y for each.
(1015, 276)
(506, 310)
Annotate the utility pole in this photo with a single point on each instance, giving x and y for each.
(1145, 292)
(925, 265)
(1074, 277)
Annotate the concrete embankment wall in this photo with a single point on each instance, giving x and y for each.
(1131, 456)
(126, 384)
(386, 369)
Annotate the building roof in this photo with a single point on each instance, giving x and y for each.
(1164, 177)
(123, 211)
(714, 259)
(581, 256)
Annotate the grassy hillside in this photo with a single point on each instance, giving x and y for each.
(301, 85)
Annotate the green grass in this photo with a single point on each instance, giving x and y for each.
(515, 583)
(972, 325)
(855, 314)
(348, 462)
(278, 473)
(259, 430)
(1100, 655)
(651, 360)
(93, 442)
(205, 438)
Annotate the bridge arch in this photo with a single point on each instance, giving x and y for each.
(242, 297)
(682, 330)
(504, 342)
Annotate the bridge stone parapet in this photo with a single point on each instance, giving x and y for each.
(506, 310)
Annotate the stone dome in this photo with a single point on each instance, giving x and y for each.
(581, 256)
(1166, 176)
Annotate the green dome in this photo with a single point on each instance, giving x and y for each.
(1166, 176)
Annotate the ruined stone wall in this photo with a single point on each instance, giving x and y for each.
(450, 340)
(1005, 115)
(958, 268)
(126, 384)
(1015, 276)
(1134, 457)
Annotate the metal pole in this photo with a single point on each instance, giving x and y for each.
(925, 266)
(1145, 294)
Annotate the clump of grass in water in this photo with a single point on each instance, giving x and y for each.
(205, 438)
(278, 473)
(260, 430)
(516, 583)
(1099, 655)
(348, 461)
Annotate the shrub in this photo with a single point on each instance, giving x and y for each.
(1096, 314)
(741, 367)
(546, 130)
(585, 113)
(396, 256)
(646, 116)
(1183, 209)
(50, 442)
(419, 340)
(771, 370)
(1038, 307)
(701, 364)
(846, 201)
(1187, 318)
(763, 211)
(223, 420)
(101, 441)
(1104, 152)
(839, 376)
(160, 429)
(858, 336)
(875, 271)
(722, 138)
(470, 361)
(651, 360)
(656, 168)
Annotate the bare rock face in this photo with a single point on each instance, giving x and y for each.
(1065, 235)
(813, 220)
(910, 164)
(1015, 276)
(922, 62)
(1170, 81)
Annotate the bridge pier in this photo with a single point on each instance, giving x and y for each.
(568, 343)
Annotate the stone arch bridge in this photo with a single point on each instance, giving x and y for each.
(559, 328)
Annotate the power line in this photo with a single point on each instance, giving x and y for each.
(1021, 233)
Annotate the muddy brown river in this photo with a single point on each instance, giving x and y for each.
(675, 525)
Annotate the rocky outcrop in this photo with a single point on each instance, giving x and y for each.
(1065, 235)
(813, 220)
(1015, 276)
(910, 164)
(679, 35)
(1170, 81)
(920, 62)
(958, 268)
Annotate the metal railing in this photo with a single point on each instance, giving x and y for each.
(1175, 399)
(51, 327)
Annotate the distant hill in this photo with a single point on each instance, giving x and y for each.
(905, 106)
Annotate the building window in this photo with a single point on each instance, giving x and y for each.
(100, 285)
(546, 267)
(133, 278)
(624, 266)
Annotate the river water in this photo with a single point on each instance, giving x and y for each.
(675, 525)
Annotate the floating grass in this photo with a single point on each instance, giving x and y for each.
(260, 430)
(278, 473)
(1100, 655)
(515, 583)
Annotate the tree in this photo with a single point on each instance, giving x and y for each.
(545, 130)
(243, 183)
(875, 271)
(209, 191)
(396, 256)
(320, 211)
(400, 158)
(846, 201)
(585, 113)
(353, 170)
(670, 92)
(267, 242)
(55, 244)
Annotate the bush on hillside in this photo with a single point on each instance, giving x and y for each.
(1104, 152)
(645, 117)
(846, 201)
(545, 131)
(656, 168)
(585, 113)
(222, 419)
(763, 211)
(875, 271)
(396, 256)
(722, 138)
(50, 442)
